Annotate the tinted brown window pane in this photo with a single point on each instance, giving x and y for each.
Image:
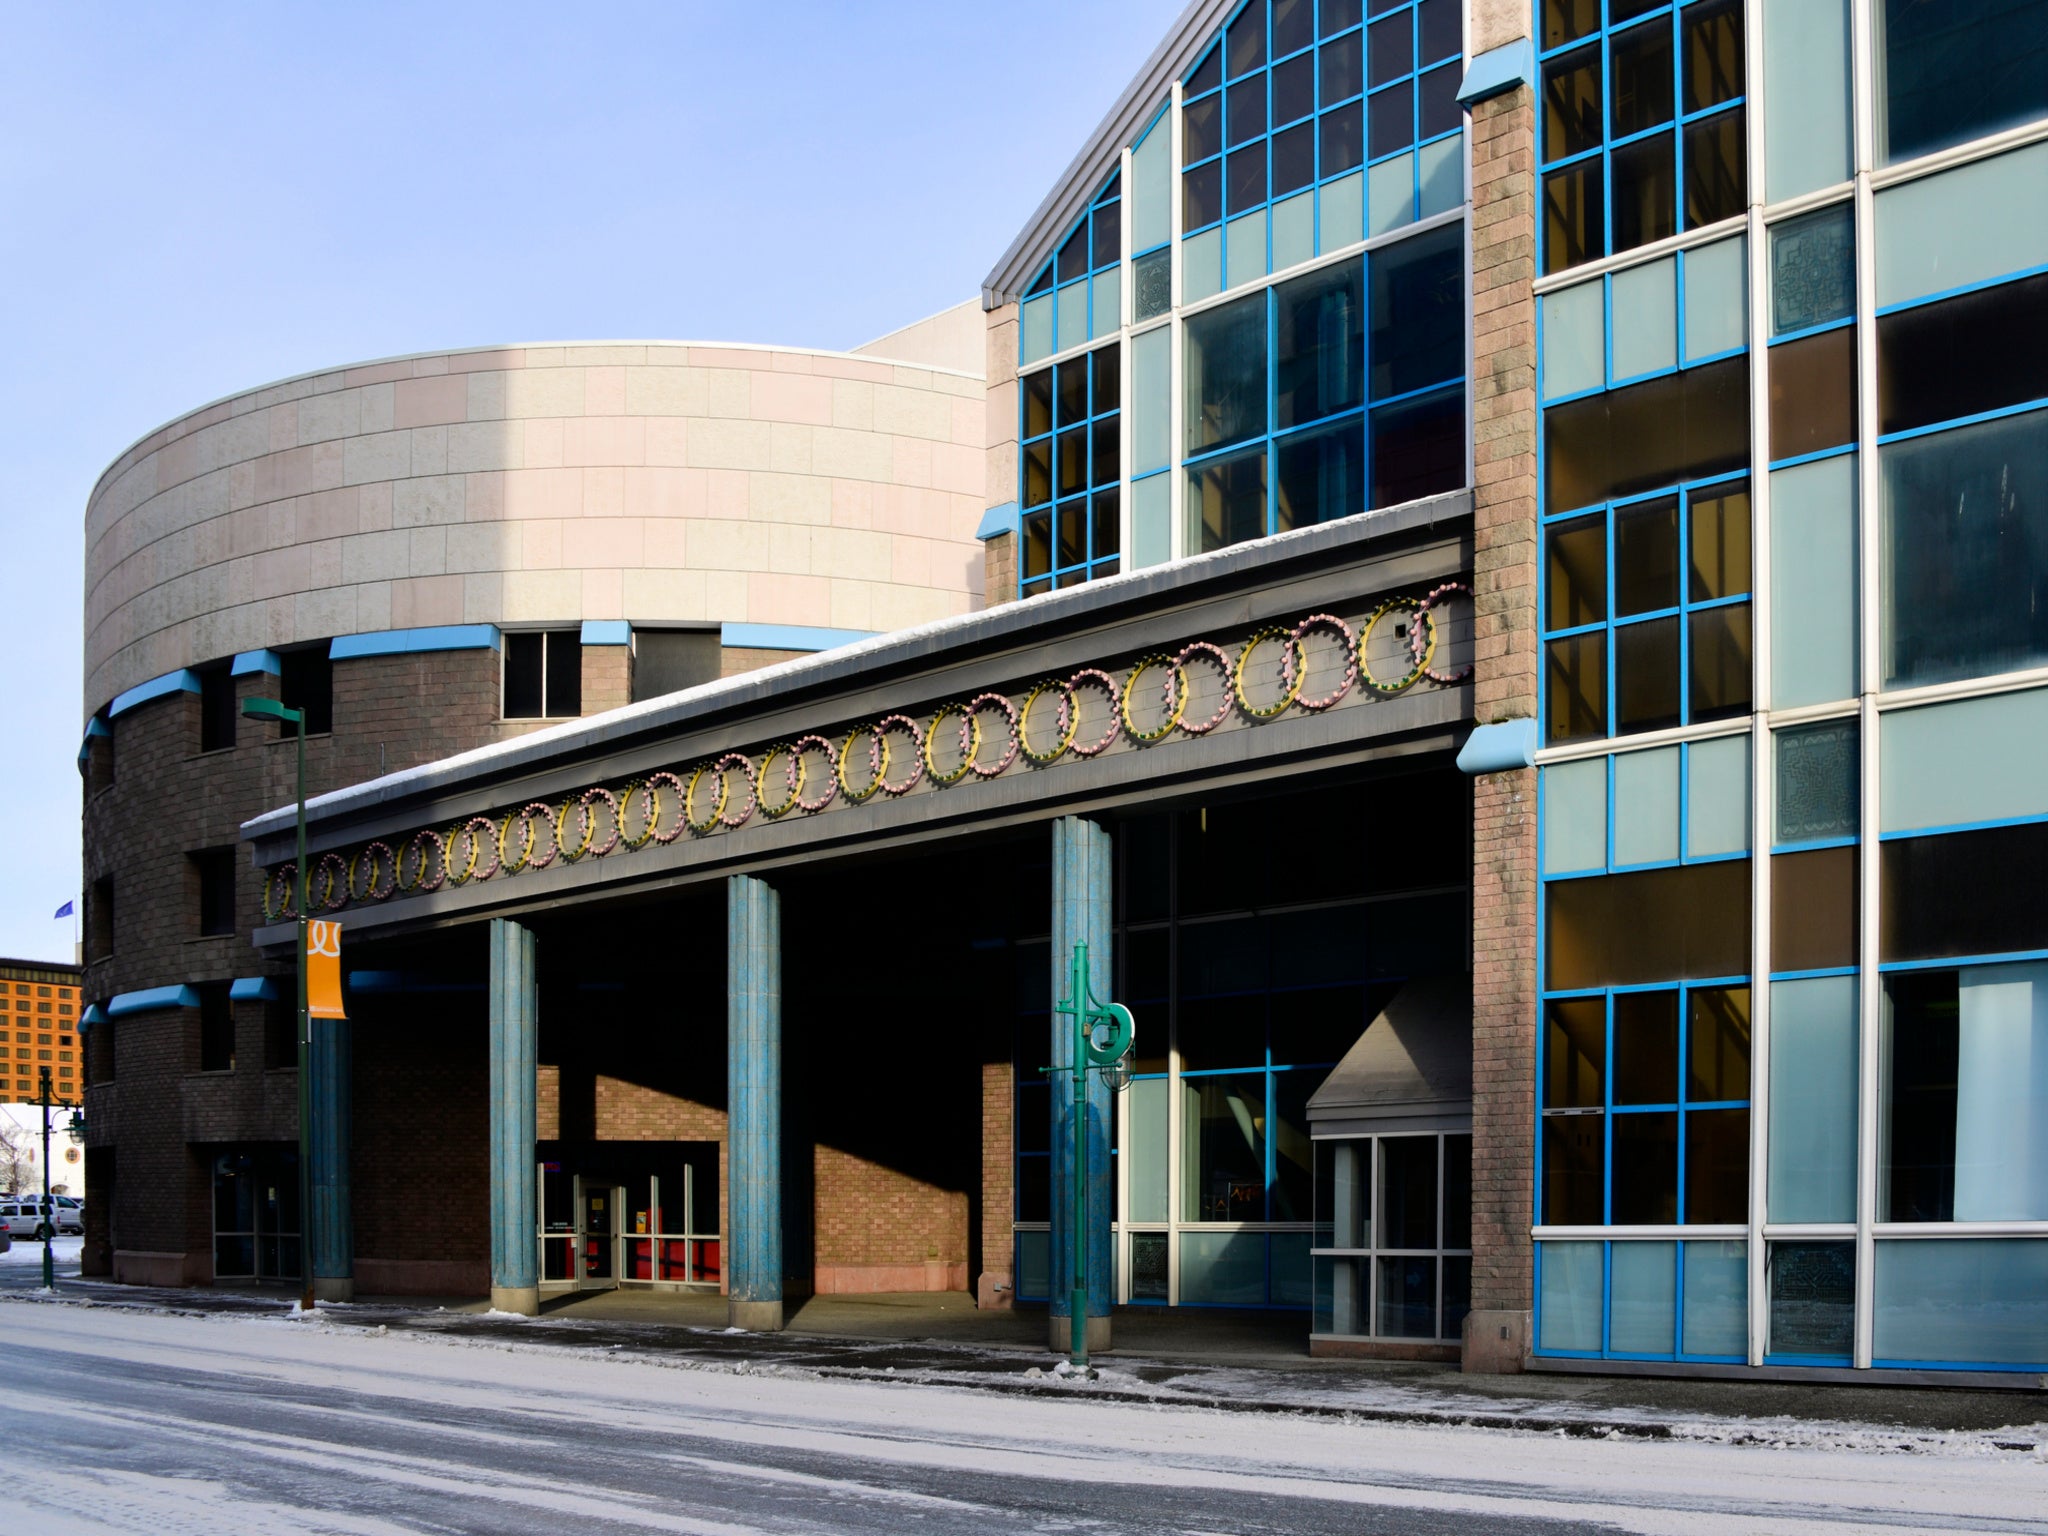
(1245, 186)
(1575, 688)
(1683, 426)
(1645, 1169)
(1245, 114)
(1038, 473)
(1343, 72)
(1655, 925)
(524, 656)
(1245, 42)
(1645, 192)
(1720, 543)
(1343, 134)
(1646, 1047)
(1716, 1166)
(1107, 222)
(1574, 1163)
(1320, 475)
(1717, 1044)
(1576, 589)
(1573, 216)
(1715, 174)
(1439, 110)
(1639, 74)
(1963, 893)
(1571, 104)
(1102, 470)
(1294, 89)
(1813, 393)
(1813, 909)
(1107, 531)
(1202, 195)
(1390, 119)
(1037, 544)
(1294, 25)
(1977, 352)
(1443, 30)
(1646, 557)
(1038, 403)
(1574, 1052)
(1208, 74)
(1073, 461)
(1072, 523)
(1920, 1083)
(1202, 129)
(1072, 390)
(1646, 676)
(1564, 20)
(1390, 49)
(1227, 501)
(1719, 684)
(1418, 449)
(1713, 54)
(1105, 365)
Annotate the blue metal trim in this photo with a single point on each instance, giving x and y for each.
(1819, 327)
(1826, 970)
(1498, 71)
(607, 632)
(248, 662)
(402, 642)
(1813, 458)
(94, 1014)
(151, 999)
(406, 981)
(1978, 418)
(789, 637)
(1503, 745)
(1906, 834)
(1950, 293)
(254, 989)
(1950, 1365)
(182, 681)
(1960, 962)
(998, 520)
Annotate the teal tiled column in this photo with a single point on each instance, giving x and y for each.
(753, 1053)
(515, 1044)
(1081, 913)
(331, 1228)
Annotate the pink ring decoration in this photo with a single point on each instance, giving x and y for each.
(370, 891)
(485, 831)
(586, 829)
(675, 785)
(819, 744)
(1089, 677)
(335, 896)
(1345, 637)
(908, 727)
(287, 904)
(599, 850)
(1000, 702)
(420, 840)
(731, 763)
(1415, 634)
(540, 811)
(1202, 650)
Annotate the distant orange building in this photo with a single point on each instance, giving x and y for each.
(38, 1028)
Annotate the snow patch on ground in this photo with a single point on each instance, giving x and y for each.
(64, 1250)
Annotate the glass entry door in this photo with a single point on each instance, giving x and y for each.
(256, 1214)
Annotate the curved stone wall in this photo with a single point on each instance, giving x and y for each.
(652, 482)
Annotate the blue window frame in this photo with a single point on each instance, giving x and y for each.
(1071, 448)
(1641, 130)
(1078, 294)
(1646, 612)
(1287, 100)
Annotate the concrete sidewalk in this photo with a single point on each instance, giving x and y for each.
(1221, 1360)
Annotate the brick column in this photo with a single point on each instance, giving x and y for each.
(997, 1285)
(1505, 573)
(999, 555)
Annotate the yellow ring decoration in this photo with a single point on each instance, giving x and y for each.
(879, 755)
(792, 777)
(1177, 691)
(1294, 675)
(690, 800)
(970, 743)
(1066, 735)
(1409, 678)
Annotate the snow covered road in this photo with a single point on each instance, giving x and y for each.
(169, 1424)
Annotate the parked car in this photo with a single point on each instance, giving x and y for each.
(25, 1216)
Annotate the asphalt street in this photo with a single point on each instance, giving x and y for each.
(165, 1423)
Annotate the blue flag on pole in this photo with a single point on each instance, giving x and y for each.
(63, 911)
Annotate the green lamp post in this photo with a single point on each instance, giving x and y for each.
(1102, 1043)
(274, 709)
(49, 1100)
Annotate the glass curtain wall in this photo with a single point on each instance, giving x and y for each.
(1809, 880)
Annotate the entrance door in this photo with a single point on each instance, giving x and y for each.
(256, 1213)
(598, 1230)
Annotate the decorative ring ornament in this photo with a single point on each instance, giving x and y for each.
(611, 804)
(640, 791)
(793, 780)
(697, 824)
(1429, 602)
(1063, 722)
(907, 727)
(1290, 675)
(999, 702)
(1347, 642)
(1419, 662)
(280, 899)
(485, 833)
(734, 765)
(878, 762)
(1176, 692)
(327, 886)
(655, 784)
(820, 745)
(526, 826)
(1202, 650)
(586, 828)
(417, 846)
(970, 743)
(367, 858)
(1089, 677)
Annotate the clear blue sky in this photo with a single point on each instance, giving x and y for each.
(201, 198)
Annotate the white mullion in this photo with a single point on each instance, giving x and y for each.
(1176, 490)
(1870, 997)
(1127, 288)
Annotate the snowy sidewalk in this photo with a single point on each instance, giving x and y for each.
(1230, 1379)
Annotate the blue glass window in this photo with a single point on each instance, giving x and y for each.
(1641, 126)
(1078, 295)
(1070, 459)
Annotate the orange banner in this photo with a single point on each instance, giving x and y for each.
(323, 971)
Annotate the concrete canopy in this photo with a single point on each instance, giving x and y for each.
(1410, 1071)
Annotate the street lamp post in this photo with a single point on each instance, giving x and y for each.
(274, 709)
(50, 1101)
(1103, 1033)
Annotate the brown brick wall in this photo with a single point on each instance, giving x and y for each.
(735, 659)
(993, 1287)
(607, 677)
(1504, 886)
(999, 570)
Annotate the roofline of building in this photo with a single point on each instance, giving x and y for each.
(1078, 184)
(56, 972)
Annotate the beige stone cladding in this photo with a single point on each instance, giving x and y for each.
(999, 569)
(651, 481)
